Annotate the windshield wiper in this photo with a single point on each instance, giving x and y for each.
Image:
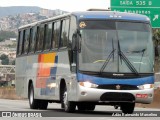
(141, 57)
(137, 51)
(125, 59)
(108, 59)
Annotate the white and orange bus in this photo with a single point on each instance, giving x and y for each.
(85, 59)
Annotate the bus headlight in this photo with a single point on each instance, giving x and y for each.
(88, 84)
(146, 86)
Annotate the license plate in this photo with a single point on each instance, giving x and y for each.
(142, 95)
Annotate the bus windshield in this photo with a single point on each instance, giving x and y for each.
(102, 41)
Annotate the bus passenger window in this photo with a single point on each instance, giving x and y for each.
(72, 54)
(64, 33)
(40, 38)
(20, 41)
(32, 39)
(56, 35)
(48, 36)
(26, 41)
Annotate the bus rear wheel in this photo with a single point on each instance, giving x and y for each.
(32, 102)
(83, 106)
(90, 107)
(69, 106)
(127, 108)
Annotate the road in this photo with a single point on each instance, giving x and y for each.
(100, 113)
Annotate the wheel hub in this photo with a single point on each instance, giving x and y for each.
(65, 100)
(31, 97)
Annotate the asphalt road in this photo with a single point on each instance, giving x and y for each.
(54, 110)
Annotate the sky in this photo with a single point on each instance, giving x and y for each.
(67, 5)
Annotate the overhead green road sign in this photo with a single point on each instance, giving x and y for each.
(153, 14)
(151, 8)
(135, 3)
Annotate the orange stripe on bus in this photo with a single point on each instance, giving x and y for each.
(45, 62)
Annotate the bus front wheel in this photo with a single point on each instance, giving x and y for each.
(32, 102)
(127, 108)
(68, 105)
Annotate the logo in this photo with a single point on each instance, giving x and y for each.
(118, 87)
(82, 25)
(6, 114)
(118, 74)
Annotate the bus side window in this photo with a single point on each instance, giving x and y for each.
(72, 54)
(48, 36)
(73, 27)
(64, 33)
(37, 37)
(20, 41)
(40, 38)
(32, 39)
(56, 35)
(26, 41)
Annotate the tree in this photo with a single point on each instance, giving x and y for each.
(5, 59)
(156, 39)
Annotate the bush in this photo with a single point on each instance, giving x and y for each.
(6, 35)
(5, 59)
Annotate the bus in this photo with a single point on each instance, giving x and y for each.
(84, 59)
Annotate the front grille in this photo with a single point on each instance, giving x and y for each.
(121, 87)
(113, 96)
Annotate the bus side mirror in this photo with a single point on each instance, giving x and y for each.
(74, 42)
(79, 38)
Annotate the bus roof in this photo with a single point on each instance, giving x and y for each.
(45, 20)
(110, 15)
(95, 15)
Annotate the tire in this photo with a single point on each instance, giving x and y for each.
(43, 104)
(68, 105)
(83, 106)
(116, 106)
(90, 107)
(127, 108)
(32, 102)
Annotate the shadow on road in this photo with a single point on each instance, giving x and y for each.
(62, 113)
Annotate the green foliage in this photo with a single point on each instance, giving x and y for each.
(3, 56)
(6, 35)
(156, 39)
(156, 34)
(5, 59)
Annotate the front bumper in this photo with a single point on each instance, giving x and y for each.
(95, 95)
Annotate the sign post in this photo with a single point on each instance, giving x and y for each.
(150, 8)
